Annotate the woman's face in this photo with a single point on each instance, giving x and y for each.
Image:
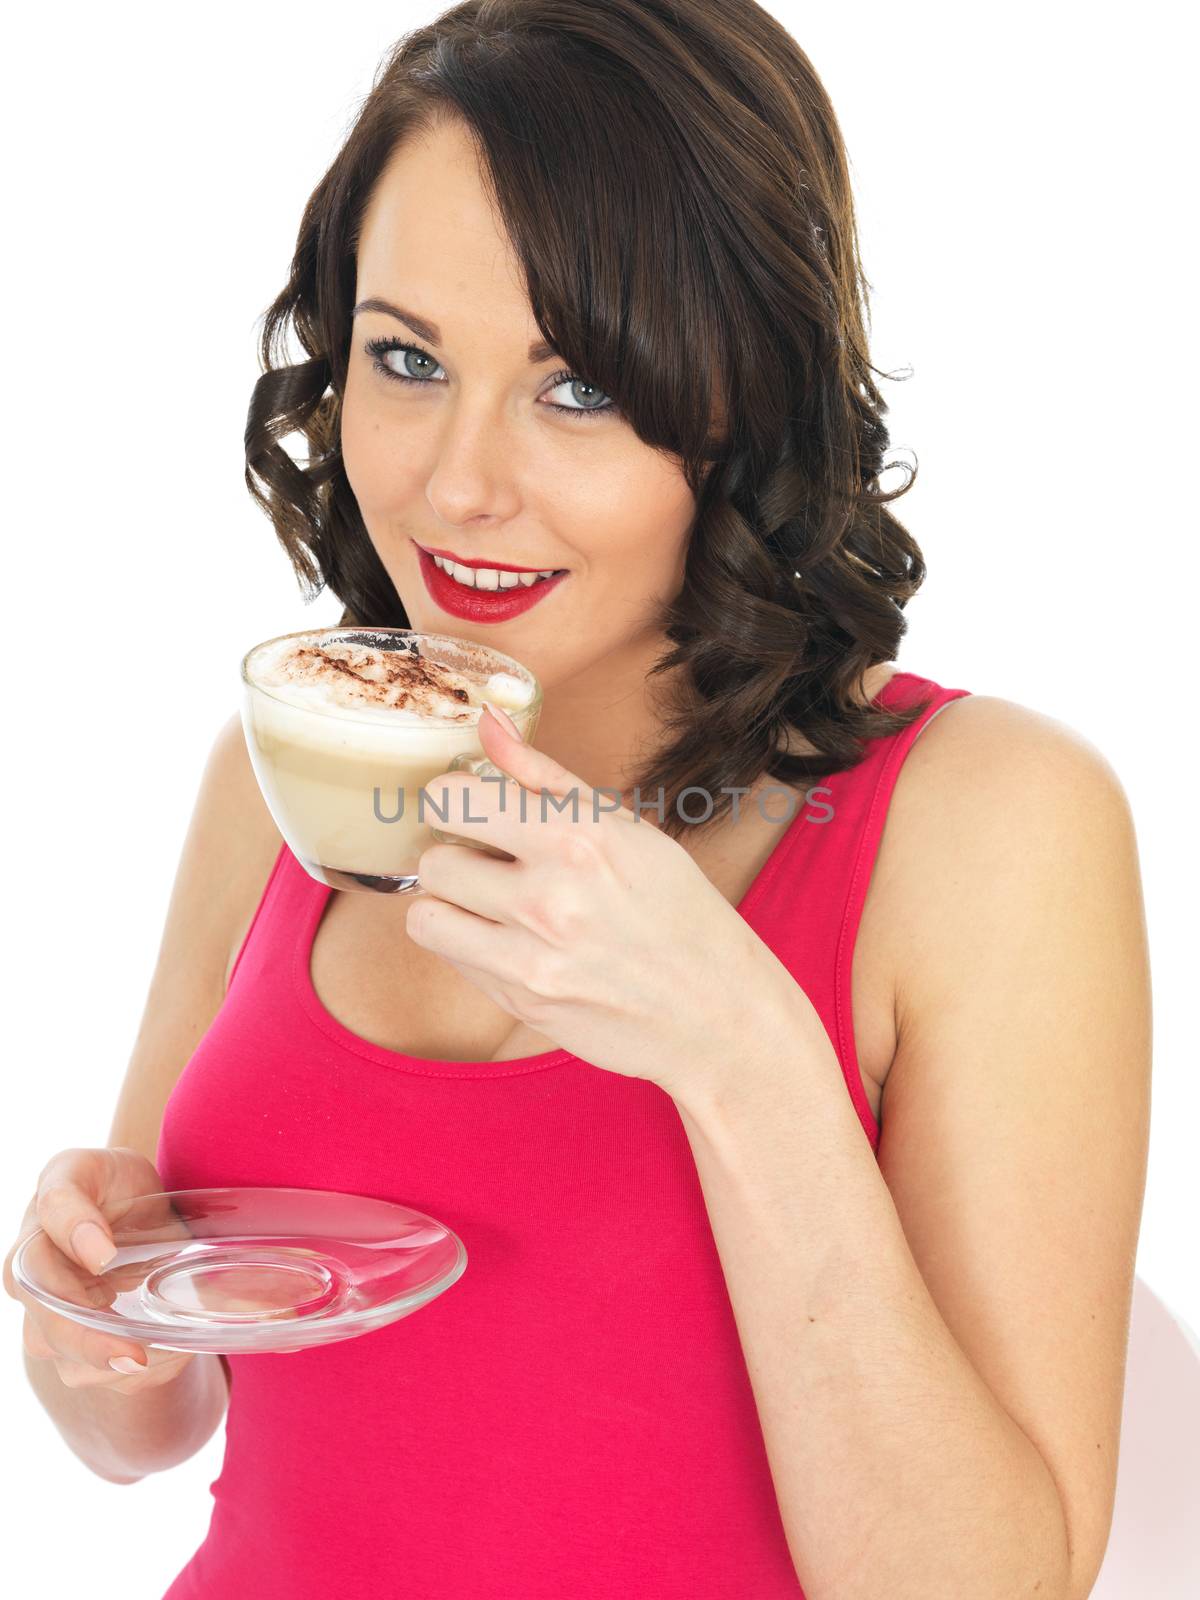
(472, 458)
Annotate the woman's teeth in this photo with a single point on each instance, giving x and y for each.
(489, 577)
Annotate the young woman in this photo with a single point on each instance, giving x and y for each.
(794, 1115)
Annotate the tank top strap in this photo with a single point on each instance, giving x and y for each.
(808, 901)
(288, 899)
(889, 761)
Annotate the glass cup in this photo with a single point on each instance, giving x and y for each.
(346, 787)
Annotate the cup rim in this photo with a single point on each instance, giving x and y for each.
(339, 714)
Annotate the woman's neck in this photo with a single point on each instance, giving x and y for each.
(604, 727)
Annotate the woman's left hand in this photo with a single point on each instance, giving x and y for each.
(602, 933)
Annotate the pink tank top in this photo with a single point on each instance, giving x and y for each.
(574, 1416)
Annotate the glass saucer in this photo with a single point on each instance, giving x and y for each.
(240, 1270)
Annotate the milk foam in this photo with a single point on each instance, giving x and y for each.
(345, 681)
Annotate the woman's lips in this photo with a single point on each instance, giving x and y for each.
(481, 605)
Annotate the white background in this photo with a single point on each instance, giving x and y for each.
(1021, 175)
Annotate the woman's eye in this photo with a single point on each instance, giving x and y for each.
(589, 405)
(415, 365)
(410, 371)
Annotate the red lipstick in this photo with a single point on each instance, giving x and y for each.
(482, 605)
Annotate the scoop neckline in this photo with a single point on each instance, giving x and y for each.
(430, 1066)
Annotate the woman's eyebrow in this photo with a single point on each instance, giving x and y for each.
(539, 351)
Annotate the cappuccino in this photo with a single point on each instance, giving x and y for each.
(346, 726)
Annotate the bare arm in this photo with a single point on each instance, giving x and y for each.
(226, 858)
(937, 1341)
(125, 1437)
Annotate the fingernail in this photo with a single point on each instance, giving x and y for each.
(126, 1364)
(503, 718)
(93, 1246)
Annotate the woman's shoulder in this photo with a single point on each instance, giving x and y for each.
(997, 807)
(981, 750)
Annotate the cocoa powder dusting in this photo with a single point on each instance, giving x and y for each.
(383, 678)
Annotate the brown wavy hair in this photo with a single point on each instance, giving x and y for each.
(675, 186)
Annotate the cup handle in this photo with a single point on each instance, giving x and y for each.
(481, 767)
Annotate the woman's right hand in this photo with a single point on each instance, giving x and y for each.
(73, 1189)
